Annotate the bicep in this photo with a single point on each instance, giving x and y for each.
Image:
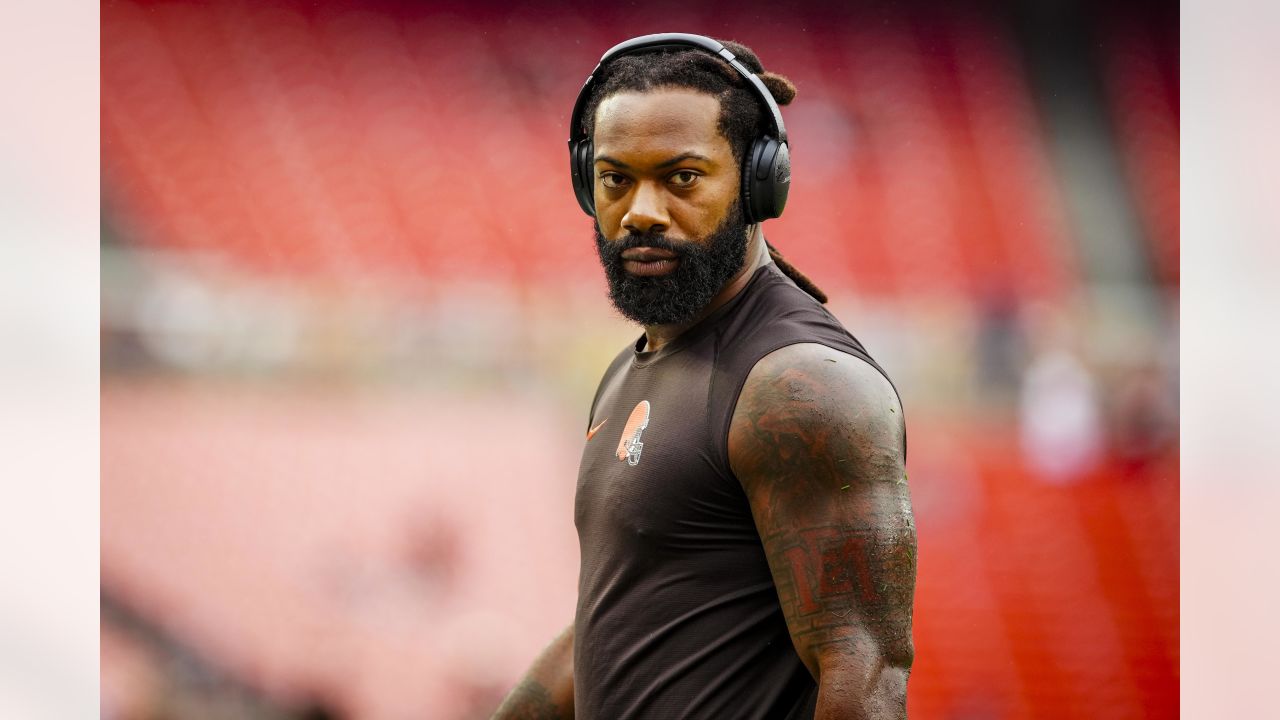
(816, 441)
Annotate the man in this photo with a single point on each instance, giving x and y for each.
(748, 548)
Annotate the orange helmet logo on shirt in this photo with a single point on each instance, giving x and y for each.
(629, 447)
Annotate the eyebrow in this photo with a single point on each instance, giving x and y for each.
(664, 164)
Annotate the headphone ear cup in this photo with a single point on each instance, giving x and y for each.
(750, 191)
(779, 180)
(583, 179)
(766, 179)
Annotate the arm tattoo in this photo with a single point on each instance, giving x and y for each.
(842, 587)
(816, 440)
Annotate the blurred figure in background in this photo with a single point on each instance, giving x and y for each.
(1061, 422)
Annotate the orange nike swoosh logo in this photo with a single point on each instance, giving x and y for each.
(593, 430)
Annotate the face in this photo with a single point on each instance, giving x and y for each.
(669, 225)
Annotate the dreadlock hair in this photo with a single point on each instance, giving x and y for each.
(742, 116)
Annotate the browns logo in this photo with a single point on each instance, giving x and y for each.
(629, 447)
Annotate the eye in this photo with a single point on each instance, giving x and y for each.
(612, 180)
(683, 178)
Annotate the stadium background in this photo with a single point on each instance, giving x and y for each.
(352, 321)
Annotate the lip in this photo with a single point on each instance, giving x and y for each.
(649, 261)
(648, 254)
(650, 268)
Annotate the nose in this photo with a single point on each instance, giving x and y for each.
(648, 211)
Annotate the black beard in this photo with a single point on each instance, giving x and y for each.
(677, 297)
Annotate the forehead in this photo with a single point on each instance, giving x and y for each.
(664, 120)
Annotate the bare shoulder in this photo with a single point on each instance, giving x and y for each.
(813, 406)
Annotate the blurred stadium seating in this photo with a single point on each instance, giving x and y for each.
(352, 321)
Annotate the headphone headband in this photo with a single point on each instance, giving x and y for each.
(663, 41)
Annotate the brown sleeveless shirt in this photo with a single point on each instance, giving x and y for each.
(677, 613)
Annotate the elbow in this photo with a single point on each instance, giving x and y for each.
(901, 655)
(892, 683)
(876, 689)
(894, 657)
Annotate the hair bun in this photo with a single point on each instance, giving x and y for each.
(782, 89)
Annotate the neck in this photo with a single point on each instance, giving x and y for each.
(757, 257)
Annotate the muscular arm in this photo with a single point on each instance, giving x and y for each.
(546, 691)
(816, 441)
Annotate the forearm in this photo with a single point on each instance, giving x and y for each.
(546, 691)
(878, 695)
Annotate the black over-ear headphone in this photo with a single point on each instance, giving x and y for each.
(766, 169)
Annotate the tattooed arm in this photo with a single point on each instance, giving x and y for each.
(816, 441)
(546, 692)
